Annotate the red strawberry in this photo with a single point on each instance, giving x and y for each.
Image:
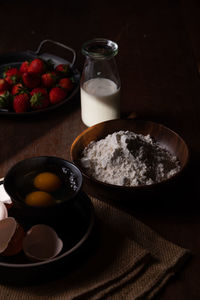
(39, 90)
(24, 67)
(17, 88)
(21, 103)
(4, 85)
(57, 94)
(66, 83)
(63, 70)
(39, 99)
(49, 79)
(31, 80)
(5, 99)
(10, 72)
(12, 75)
(37, 66)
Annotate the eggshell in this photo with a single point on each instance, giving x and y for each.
(3, 211)
(4, 197)
(11, 237)
(42, 243)
(7, 229)
(15, 244)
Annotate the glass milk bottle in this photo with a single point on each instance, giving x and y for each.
(100, 82)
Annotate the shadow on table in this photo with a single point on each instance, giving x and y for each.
(20, 131)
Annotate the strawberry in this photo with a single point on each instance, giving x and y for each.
(21, 103)
(39, 99)
(63, 70)
(49, 79)
(57, 94)
(4, 85)
(5, 99)
(12, 75)
(17, 88)
(9, 71)
(24, 67)
(66, 83)
(39, 90)
(37, 66)
(31, 80)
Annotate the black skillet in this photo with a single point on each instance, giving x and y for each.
(14, 59)
(77, 233)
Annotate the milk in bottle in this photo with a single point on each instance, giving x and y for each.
(100, 83)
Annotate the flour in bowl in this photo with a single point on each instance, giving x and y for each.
(128, 159)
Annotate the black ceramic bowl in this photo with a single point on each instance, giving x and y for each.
(77, 233)
(15, 178)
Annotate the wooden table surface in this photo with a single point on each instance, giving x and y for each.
(159, 50)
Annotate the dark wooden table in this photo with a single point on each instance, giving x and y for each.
(159, 50)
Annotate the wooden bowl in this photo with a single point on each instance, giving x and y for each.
(166, 137)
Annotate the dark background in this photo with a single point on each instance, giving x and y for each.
(159, 53)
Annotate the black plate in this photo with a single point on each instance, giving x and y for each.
(74, 228)
(14, 59)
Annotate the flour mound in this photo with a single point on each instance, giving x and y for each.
(128, 159)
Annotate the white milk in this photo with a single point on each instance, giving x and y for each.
(100, 101)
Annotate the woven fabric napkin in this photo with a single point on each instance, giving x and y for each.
(130, 262)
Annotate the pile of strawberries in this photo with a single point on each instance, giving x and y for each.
(36, 85)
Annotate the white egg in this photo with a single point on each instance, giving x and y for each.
(4, 197)
(3, 211)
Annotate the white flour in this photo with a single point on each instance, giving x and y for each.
(128, 159)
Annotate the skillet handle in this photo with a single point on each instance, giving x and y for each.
(37, 52)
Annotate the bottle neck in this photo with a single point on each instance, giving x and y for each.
(100, 49)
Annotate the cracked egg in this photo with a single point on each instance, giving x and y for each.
(11, 236)
(42, 243)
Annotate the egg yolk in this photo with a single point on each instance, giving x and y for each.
(39, 198)
(47, 181)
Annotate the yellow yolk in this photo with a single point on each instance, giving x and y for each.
(39, 198)
(47, 181)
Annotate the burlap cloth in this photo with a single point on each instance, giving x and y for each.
(131, 262)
